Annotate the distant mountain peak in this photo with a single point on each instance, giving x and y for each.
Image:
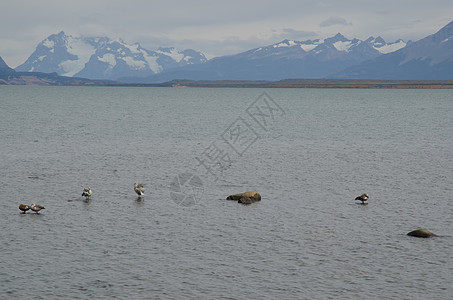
(285, 43)
(339, 36)
(336, 38)
(379, 39)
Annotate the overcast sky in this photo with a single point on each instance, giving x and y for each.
(214, 27)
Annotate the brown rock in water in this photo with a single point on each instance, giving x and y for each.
(246, 198)
(421, 233)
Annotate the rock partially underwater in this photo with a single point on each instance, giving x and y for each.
(422, 233)
(246, 198)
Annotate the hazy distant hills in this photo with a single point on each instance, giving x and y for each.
(103, 58)
(286, 59)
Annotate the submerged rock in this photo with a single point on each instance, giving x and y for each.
(246, 198)
(421, 233)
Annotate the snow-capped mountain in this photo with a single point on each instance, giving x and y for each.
(103, 58)
(286, 59)
(336, 46)
(430, 58)
(116, 59)
(63, 54)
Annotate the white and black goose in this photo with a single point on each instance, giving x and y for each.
(139, 189)
(87, 193)
(363, 198)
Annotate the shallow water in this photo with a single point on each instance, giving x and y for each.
(307, 238)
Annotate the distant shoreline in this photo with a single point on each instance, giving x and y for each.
(305, 83)
(43, 79)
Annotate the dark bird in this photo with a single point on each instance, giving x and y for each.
(87, 193)
(363, 198)
(24, 208)
(36, 207)
(139, 189)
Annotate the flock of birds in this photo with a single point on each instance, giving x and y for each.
(138, 188)
(34, 207)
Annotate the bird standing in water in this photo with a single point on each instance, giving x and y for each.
(87, 193)
(139, 189)
(36, 207)
(24, 208)
(363, 198)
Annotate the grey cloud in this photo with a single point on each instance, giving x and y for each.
(213, 27)
(297, 34)
(228, 45)
(334, 21)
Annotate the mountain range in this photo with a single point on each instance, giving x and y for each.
(286, 59)
(103, 58)
(113, 59)
(430, 58)
(337, 57)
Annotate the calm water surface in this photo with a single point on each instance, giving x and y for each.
(307, 238)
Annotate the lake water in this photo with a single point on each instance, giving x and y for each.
(309, 153)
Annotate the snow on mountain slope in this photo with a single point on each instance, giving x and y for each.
(83, 49)
(117, 58)
(337, 42)
(380, 45)
(61, 53)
